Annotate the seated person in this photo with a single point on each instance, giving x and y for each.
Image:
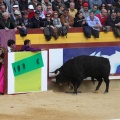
(27, 46)
(79, 20)
(11, 45)
(66, 19)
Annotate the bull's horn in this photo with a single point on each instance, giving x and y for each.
(58, 72)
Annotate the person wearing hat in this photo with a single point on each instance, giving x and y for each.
(36, 20)
(34, 3)
(66, 19)
(85, 10)
(31, 12)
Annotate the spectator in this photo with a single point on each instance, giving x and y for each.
(45, 3)
(11, 45)
(79, 20)
(94, 23)
(49, 10)
(118, 15)
(112, 20)
(25, 20)
(114, 7)
(79, 4)
(108, 2)
(103, 6)
(30, 11)
(39, 8)
(85, 10)
(3, 3)
(34, 3)
(23, 5)
(17, 19)
(27, 46)
(61, 9)
(37, 21)
(55, 5)
(118, 4)
(102, 16)
(10, 5)
(72, 10)
(66, 19)
(3, 8)
(6, 22)
(95, 9)
(92, 2)
(56, 20)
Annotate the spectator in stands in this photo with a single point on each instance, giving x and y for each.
(27, 46)
(3, 3)
(3, 8)
(114, 7)
(23, 5)
(118, 15)
(79, 4)
(95, 9)
(66, 19)
(25, 20)
(102, 16)
(10, 5)
(108, 12)
(18, 19)
(61, 9)
(55, 5)
(37, 21)
(108, 2)
(94, 23)
(6, 22)
(34, 3)
(103, 6)
(39, 8)
(56, 20)
(79, 20)
(30, 11)
(112, 20)
(93, 2)
(11, 45)
(72, 10)
(85, 10)
(118, 4)
(49, 10)
(45, 3)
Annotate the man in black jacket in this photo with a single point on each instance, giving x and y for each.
(37, 21)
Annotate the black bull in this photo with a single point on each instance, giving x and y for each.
(81, 67)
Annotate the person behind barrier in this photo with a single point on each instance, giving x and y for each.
(94, 24)
(27, 46)
(11, 45)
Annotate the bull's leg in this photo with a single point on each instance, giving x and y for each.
(99, 83)
(107, 84)
(76, 86)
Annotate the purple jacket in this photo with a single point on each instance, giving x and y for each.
(28, 48)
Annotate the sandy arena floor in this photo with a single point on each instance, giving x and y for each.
(58, 105)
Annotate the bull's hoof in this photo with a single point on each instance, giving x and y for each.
(96, 91)
(105, 92)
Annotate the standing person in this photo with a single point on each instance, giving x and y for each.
(1, 70)
(11, 45)
(94, 24)
(27, 46)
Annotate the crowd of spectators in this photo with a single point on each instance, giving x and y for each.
(26, 14)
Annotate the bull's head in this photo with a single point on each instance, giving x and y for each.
(59, 77)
